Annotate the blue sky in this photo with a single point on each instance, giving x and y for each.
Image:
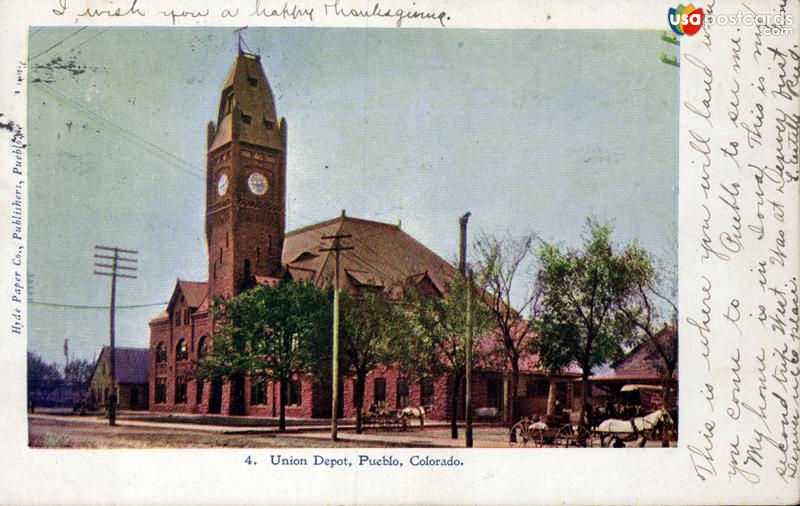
(531, 131)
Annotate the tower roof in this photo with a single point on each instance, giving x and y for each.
(247, 107)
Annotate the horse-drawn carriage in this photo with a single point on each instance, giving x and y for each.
(613, 425)
(379, 416)
(538, 434)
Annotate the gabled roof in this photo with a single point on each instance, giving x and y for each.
(643, 361)
(130, 364)
(383, 256)
(195, 293)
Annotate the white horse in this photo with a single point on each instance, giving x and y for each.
(639, 426)
(418, 412)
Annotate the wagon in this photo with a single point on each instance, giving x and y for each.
(381, 417)
(537, 434)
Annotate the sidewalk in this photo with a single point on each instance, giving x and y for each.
(433, 434)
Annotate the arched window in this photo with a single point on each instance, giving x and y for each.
(202, 347)
(181, 352)
(161, 353)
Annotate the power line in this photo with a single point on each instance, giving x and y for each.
(86, 41)
(152, 148)
(76, 32)
(82, 306)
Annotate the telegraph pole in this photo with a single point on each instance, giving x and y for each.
(468, 403)
(117, 263)
(337, 248)
(462, 268)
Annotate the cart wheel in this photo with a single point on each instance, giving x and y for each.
(574, 436)
(522, 432)
(583, 437)
(537, 438)
(564, 436)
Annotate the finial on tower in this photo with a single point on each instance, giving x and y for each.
(238, 33)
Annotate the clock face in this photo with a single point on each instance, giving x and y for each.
(222, 184)
(257, 183)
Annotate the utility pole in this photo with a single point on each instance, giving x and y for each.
(337, 248)
(468, 393)
(462, 268)
(117, 263)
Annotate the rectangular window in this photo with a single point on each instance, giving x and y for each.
(379, 390)
(180, 391)
(252, 81)
(494, 392)
(544, 388)
(561, 393)
(426, 392)
(530, 388)
(186, 317)
(247, 119)
(402, 393)
(295, 393)
(228, 102)
(161, 390)
(258, 391)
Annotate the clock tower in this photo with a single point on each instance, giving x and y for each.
(245, 182)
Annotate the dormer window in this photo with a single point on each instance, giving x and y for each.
(252, 81)
(227, 103)
(267, 123)
(247, 119)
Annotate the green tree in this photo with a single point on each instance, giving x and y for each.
(655, 314)
(78, 374)
(503, 265)
(438, 328)
(43, 379)
(372, 330)
(269, 332)
(585, 302)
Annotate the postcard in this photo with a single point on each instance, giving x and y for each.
(412, 253)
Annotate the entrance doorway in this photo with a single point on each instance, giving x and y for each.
(215, 397)
(237, 396)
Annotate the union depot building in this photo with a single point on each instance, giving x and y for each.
(248, 244)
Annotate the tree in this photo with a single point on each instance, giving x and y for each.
(270, 332)
(585, 303)
(78, 374)
(655, 314)
(43, 379)
(372, 329)
(439, 326)
(502, 264)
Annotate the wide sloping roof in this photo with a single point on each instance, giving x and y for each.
(383, 255)
(130, 364)
(643, 361)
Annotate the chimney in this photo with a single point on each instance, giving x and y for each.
(462, 244)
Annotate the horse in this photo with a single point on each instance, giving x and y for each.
(418, 412)
(635, 428)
